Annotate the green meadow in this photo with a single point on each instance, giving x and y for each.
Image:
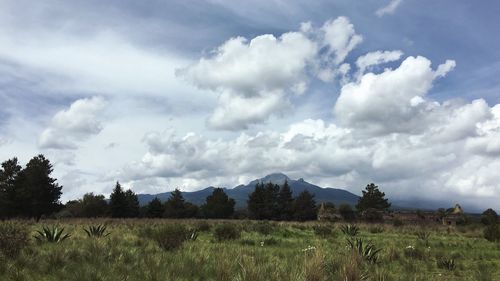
(160, 249)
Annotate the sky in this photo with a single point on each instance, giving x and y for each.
(188, 94)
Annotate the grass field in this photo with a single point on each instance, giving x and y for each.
(262, 251)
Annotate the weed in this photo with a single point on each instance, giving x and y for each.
(13, 238)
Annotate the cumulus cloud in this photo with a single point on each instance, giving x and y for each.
(73, 125)
(255, 78)
(392, 101)
(389, 9)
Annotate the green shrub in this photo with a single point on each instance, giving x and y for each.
(96, 231)
(51, 234)
(350, 229)
(226, 231)
(264, 227)
(376, 229)
(446, 263)
(247, 242)
(169, 236)
(397, 222)
(323, 230)
(366, 250)
(271, 242)
(202, 226)
(414, 253)
(14, 237)
(492, 233)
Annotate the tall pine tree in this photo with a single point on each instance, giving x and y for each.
(256, 202)
(155, 209)
(285, 202)
(305, 207)
(218, 205)
(39, 192)
(9, 185)
(372, 198)
(175, 207)
(118, 202)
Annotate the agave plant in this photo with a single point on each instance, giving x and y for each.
(423, 236)
(51, 234)
(96, 231)
(448, 264)
(350, 229)
(367, 250)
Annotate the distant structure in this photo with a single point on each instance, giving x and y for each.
(453, 215)
(327, 214)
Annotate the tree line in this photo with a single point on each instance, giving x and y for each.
(32, 192)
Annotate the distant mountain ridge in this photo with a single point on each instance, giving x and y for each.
(240, 193)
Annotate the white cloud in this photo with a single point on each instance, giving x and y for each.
(376, 58)
(390, 101)
(389, 9)
(255, 78)
(73, 125)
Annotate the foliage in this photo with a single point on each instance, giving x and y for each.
(285, 202)
(263, 227)
(323, 230)
(168, 236)
(218, 205)
(90, 206)
(349, 229)
(492, 233)
(202, 226)
(13, 238)
(176, 207)
(52, 234)
(347, 212)
(123, 204)
(366, 250)
(9, 185)
(96, 231)
(446, 263)
(226, 231)
(305, 207)
(423, 236)
(372, 198)
(155, 209)
(489, 217)
(376, 229)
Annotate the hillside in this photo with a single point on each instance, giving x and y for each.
(240, 193)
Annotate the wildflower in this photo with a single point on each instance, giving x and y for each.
(262, 243)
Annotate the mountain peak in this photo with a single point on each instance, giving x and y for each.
(275, 178)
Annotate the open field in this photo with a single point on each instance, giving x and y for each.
(263, 251)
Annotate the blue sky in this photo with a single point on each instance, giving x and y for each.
(165, 94)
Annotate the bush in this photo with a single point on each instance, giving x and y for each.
(397, 222)
(492, 233)
(202, 226)
(226, 231)
(264, 228)
(376, 229)
(445, 263)
(323, 230)
(14, 237)
(169, 236)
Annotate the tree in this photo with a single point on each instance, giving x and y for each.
(489, 217)
(347, 212)
(9, 185)
(175, 206)
(118, 202)
(94, 205)
(155, 209)
(218, 205)
(132, 204)
(372, 198)
(305, 207)
(256, 202)
(285, 202)
(271, 211)
(39, 193)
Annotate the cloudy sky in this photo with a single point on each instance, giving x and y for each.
(165, 94)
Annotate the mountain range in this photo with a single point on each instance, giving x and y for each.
(321, 194)
(240, 193)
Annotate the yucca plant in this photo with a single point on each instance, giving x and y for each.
(96, 231)
(51, 234)
(350, 229)
(367, 250)
(423, 236)
(192, 235)
(448, 264)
